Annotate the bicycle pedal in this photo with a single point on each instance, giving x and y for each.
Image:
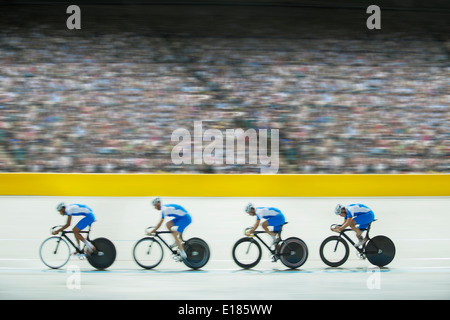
(177, 258)
(361, 256)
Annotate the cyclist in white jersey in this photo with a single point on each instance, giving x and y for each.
(274, 218)
(181, 219)
(77, 210)
(357, 216)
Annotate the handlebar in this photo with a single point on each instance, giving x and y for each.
(335, 225)
(148, 229)
(156, 232)
(52, 229)
(245, 232)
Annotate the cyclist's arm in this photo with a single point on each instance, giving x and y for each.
(254, 227)
(69, 220)
(156, 227)
(346, 223)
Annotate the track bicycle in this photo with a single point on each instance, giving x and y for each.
(55, 251)
(148, 252)
(379, 250)
(247, 251)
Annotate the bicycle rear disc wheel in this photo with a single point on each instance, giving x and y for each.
(148, 253)
(54, 252)
(104, 255)
(380, 251)
(197, 252)
(334, 251)
(247, 253)
(293, 252)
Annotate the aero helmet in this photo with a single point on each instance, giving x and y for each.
(338, 209)
(248, 207)
(156, 200)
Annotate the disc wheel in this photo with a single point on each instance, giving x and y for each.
(104, 255)
(197, 252)
(293, 252)
(380, 251)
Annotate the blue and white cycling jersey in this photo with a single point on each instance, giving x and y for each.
(181, 218)
(172, 210)
(362, 214)
(81, 210)
(274, 216)
(78, 210)
(356, 209)
(266, 212)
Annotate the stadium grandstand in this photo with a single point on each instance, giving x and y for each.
(106, 98)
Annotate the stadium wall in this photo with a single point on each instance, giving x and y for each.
(216, 185)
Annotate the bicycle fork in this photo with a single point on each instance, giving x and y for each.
(248, 248)
(57, 246)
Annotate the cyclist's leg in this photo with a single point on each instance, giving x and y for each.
(83, 223)
(176, 227)
(173, 230)
(265, 225)
(276, 222)
(354, 228)
(362, 222)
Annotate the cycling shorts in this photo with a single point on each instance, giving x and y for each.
(180, 223)
(86, 221)
(276, 222)
(363, 220)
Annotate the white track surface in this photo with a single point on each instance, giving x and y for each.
(419, 228)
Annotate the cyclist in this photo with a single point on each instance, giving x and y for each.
(77, 210)
(274, 218)
(181, 219)
(357, 216)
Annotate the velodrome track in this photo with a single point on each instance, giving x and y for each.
(418, 227)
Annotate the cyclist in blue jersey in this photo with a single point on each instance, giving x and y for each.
(176, 226)
(357, 216)
(274, 218)
(77, 210)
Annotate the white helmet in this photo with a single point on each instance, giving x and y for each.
(338, 209)
(248, 207)
(60, 206)
(156, 200)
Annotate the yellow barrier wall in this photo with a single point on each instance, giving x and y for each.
(211, 185)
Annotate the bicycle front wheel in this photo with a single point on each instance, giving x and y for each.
(247, 253)
(380, 251)
(197, 252)
(148, 253)
(54, 252)
(293, 252)
(334, 251)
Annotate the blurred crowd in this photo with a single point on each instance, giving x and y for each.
(109, 102)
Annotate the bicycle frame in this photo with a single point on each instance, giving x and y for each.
(274, 251)
(164, 242)
(342, 234)
(255, 235)
(64, 235)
